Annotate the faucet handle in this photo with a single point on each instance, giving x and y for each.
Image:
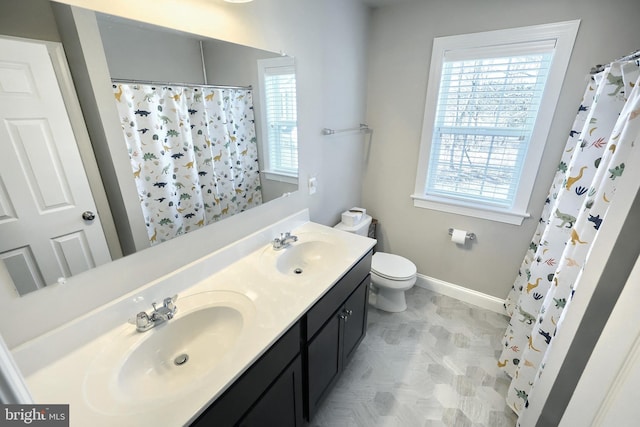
(170, 300)
(143, 321)
(169, 303)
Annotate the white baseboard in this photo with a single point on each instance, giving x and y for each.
(461, 293)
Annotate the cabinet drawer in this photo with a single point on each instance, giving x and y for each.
(234, 403)
(324, 309)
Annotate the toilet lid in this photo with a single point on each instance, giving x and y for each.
(393, 267)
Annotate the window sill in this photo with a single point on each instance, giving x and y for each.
(467, 209)
(281, 177)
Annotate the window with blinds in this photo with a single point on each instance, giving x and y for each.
(280, 116)
(486, 111)
(490, 102)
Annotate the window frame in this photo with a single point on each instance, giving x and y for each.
(269, 171)
(564, 34)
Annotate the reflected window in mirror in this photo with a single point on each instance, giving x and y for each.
(279, 114)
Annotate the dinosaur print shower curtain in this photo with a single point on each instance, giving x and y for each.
(193, 152)
(592, 165)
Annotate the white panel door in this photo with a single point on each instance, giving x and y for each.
(43, 187)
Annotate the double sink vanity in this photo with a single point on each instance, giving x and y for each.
(253, 334)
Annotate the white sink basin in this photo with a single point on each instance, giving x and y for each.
(140, 368)
(313, 253)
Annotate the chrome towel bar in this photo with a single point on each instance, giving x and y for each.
(363, 128)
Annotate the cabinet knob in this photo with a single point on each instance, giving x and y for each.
(343, 316)
(349, 312)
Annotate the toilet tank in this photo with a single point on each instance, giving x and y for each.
(361, 228)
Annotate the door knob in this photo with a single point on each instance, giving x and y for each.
(88, 216)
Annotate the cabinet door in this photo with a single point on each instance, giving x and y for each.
(281, 405)
(324, 361)
(355, 322)
(318, 315)
(244, 394)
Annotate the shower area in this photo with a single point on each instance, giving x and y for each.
(598, 154)
(189, 110)
(193, 152)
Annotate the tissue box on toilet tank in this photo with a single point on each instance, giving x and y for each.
(353, 216)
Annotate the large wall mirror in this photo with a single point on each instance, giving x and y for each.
(190, 168)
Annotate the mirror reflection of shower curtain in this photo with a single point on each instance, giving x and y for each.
(193, 153)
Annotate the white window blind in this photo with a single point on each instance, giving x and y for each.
(490, 101)
(486, 111)
(281, 119)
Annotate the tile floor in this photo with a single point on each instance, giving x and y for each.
(432, 365)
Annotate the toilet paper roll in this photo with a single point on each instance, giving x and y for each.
(459, 236)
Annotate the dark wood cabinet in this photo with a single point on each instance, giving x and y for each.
(288, 382)
(274, 381)
(281, 405)
(355, 322)
(324, 362)
(332, 338)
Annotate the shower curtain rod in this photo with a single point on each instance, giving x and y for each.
(150, 82)
(600, 67)
(631, 56)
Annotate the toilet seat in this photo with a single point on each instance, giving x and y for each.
(392, 267)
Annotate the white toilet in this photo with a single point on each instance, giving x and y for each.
(391, 275)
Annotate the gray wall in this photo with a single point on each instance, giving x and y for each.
(140, 52)
(400, 53)
(31, 19)
(231, 64)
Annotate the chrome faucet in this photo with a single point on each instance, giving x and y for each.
(145, 321)
(284, 241)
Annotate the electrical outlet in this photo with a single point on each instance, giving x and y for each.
(313, 185)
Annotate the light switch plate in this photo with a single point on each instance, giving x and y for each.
(313, 185)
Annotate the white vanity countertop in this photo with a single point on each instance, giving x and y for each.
(278, 301)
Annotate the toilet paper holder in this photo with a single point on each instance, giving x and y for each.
(470, 236)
